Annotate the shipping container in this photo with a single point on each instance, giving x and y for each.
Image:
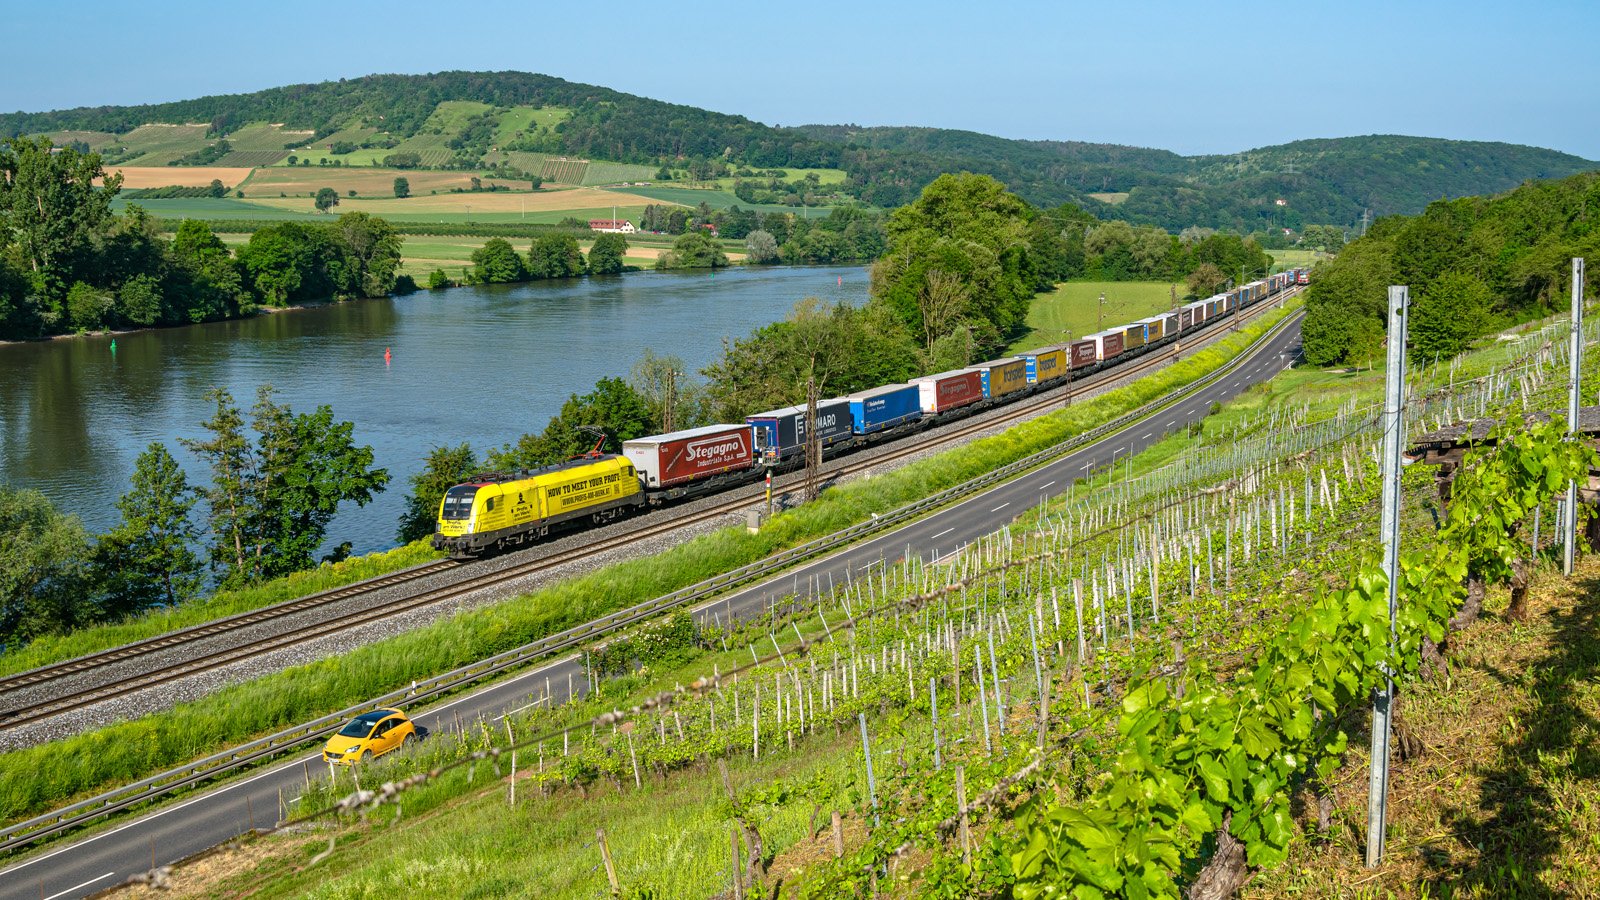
(1172, 324)
(1133, 336)
(949, 390)
(1107, 343)
(1083, 353)
(781, 433)
(1186, 318)
(1154, 328)
(885, 407)
(1045, 363)
(1003, 376)
(684, 456)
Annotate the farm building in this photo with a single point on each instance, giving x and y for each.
(613, 226)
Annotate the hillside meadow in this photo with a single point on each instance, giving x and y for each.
(1075, 306)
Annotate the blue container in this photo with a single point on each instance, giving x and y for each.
(885, 407)
(781, 433)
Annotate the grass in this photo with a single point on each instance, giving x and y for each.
(1504, 801)
(46, 650)
(41, 777)
(1305, 258)
(824, 176)
(1075, 306)
(366, 182)
(207, 208)
(424, 254)
(716, 200)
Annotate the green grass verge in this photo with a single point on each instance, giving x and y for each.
(1075, 306)
(48, 650)
(37, 778)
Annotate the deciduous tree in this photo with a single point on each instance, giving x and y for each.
(445, 468)
(148, 559)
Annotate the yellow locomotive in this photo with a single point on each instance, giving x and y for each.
(493, 511)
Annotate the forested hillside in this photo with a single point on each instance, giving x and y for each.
(1474, 265)
(1325, 181)
(1328, 182)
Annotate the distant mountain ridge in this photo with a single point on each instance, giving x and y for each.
(1316, 181)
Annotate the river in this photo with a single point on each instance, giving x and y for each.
(482, 364)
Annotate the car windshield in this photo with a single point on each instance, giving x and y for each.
(458, 502)
(360, 726)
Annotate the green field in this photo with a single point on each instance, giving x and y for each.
(1292, 258)
(612, 173)
(826, 177)
(1075, 307)
(207, 208)
(719, 200)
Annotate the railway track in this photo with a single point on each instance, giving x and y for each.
(35, 711)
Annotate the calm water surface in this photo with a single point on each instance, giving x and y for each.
(483, 364)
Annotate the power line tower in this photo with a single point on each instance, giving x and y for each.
(813, 446)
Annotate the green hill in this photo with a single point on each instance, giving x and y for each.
(465, 120)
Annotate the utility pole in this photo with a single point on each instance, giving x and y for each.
(813, 446)
(1569, 512)
(669, 413)
(1102, 312)
(1393, 442)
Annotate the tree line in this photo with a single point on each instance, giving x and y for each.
(276, 479)
(1474, 266)
(68, 263)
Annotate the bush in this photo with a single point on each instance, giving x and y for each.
(405, 284)
(438, 280)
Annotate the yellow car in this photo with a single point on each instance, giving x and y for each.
(371, 734)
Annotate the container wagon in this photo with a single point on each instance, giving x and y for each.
(1045, 364)
(690, 462)
(1154, 328)
(878, 409)
(781, 433)
(949, 390)
(1133, 336)
(1107, 344)
(1003, 376)
(1083, 353)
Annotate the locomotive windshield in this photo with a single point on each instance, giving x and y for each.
(458, 502)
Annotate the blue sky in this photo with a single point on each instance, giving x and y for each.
(1186, 76)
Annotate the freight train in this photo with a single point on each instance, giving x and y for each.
(495, 511)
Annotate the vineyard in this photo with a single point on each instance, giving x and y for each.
(1151, 683)
(564, 171)
(613, 173)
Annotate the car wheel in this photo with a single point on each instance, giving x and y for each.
(409, 739)
(362, 757)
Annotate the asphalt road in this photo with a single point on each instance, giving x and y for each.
(100, 860)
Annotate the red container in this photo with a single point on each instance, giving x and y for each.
(1083, 354)
(949, 390)
(667, 459)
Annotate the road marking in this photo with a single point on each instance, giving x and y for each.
(1147, 436)
(943, 533)
(1045, 485)
(75, 887)
(518, 709)
(1001, 506)
(1090, 464)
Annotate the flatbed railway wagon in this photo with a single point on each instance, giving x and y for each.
(880, 409)
(949, 391)
(1002, 377)
(1045, 364)
(780, 435)
(693, 462)
(494, 512)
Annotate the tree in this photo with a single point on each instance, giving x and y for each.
(555, 256)
(1448, 313)
(372, 251)
(940, 304)
(1205, 279)
(970, 227)
(760, 247)
(327, 198)
(89, 307)
(402, 188)
(146, 560)
(497, 262)
(438, 280)
(694, 250)
(51, 209)
(477, 183)
(217, 188)
(140, 300)
(665, 381)
(446, 467)
(535, 182)
(42, 554)
(606, 256)
(231, 504)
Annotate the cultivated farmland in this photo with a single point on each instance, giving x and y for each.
(269, 183)
(564, 171)
(612, 173)
(136, 177)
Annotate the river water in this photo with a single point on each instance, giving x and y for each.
(481, 364)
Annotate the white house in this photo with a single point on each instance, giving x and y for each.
(612, 226)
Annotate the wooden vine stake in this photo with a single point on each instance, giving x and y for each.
(605, 856)
(961, 807)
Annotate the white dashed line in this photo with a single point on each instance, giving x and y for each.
(943, 533)
(75, 887)
(1001, 506)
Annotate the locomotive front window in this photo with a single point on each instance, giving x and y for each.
(458, 502)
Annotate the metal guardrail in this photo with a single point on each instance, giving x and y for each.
(121, 798)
